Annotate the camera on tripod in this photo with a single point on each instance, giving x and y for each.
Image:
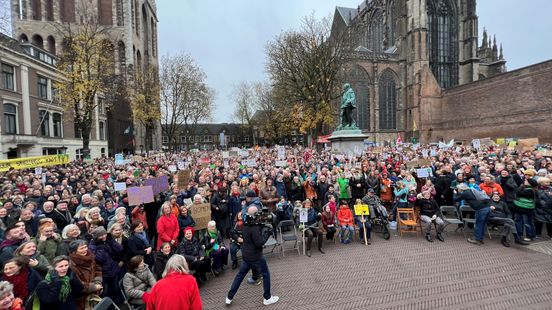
(263, 216)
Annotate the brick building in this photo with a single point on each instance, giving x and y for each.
(132, 31)
(418, 69)
(34, 122)
(208, 137)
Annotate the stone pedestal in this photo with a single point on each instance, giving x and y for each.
(346, 140)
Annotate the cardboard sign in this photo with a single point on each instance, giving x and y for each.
(281, 153)
(527, 144)
(362, 210)
(119, 186)
(546, 153)
(476, 144)
(251, 163)
(172, 168)
(201, 214)
(38, 170)
(159, 184)
(137, 158)
(140, 195)
(233, 153)
(281, 163)
(303, 215)
(183, 179)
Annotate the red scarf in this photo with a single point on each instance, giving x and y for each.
(19, 281)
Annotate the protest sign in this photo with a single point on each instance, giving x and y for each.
(501, 141)
(546, 153)
(137, 158)
(251, 163)
(119, 159)
(281, 163)
(486, 142)
(201, 214)
(183, 179)
(38, 170)
(232, 153)
(32, 162)
(476, 144)
(303, 215)
(424, 172)
(181, 165)
(119, 186)
(225, 154)
(226, 164)
(362, 210)
(281, 153)
(527, 144)
(159, 184)
(425, 153)
(433, 153)
(244, 153)
(139, 195)
(172, 168)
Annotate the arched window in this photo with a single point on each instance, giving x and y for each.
(138, 61)
(51, 45)
(391, 23)
(145, 31)
(443, 41)
(360, 82)
(38, 41)
(36, 6)
(153, 38)
(136, 17)
(10, 119)
(67, 10)
(23, 38)
(387, 101)
(375, 32)
(122, 53)
(120, 14)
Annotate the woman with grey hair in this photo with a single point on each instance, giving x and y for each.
(69, 234)
(177, 290)
(480, 205)
(7, 299)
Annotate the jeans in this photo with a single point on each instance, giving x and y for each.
(508, 223)
(260, 265)
(481, 216)
(234, 248)
(361, 228)
(351, 230)
(524, 220)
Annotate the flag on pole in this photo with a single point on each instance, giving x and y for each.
(399, 140)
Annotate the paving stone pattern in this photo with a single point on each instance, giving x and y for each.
(402, 273)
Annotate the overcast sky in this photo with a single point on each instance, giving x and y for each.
(228, 37)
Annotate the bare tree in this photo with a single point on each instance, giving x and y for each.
(144, 100)
(246, 103)
(186, 99)
(304, 67)
(273, 115)
(5, 17)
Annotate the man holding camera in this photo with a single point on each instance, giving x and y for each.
(255, 235)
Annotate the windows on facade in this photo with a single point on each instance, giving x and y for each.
(57, 125)
(120, 16)
(443, 42)
(8, 77)
(375, 32)
(165, 139)
(78, 154)
(44, 119)
(102, 130)
(10, 119)
(42, 87)
(387, 101)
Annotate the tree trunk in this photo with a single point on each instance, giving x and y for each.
(86, 144)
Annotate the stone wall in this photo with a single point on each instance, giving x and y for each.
(516, 104)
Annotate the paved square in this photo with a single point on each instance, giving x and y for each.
(402, 273)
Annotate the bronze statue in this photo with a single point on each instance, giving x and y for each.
(348, 104)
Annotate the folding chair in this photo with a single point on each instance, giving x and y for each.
(466, 220)
(451, 216)
(288, 236)
(123, 292)
(410, 220)
(106, 304)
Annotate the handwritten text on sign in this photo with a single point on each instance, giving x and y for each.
(201, 214)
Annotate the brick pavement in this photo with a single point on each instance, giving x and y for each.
(402, 273)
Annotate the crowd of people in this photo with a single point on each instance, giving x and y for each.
(68, 238)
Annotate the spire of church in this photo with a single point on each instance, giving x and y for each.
(484, 43)
(501, 57)
(495, 49)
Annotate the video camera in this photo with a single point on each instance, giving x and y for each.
(263, 216)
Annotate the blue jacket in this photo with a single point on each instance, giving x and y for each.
(105, 252)
(280, 189)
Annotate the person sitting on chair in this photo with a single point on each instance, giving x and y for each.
(345, 218)
(501, 215)
(430, 215)
(137, 281)
(195, 256)
(328, 222)
(311, 227)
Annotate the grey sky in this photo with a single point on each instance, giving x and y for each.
(228, 37)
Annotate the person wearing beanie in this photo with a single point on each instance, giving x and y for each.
(524, 207)
(14, 236)
(194, 253)
(105, 251)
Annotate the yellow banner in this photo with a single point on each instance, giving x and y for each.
(32, 162)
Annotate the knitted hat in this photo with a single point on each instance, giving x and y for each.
(251, 194)
(189, 228)
(98, 232)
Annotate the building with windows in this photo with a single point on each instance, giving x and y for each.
(34, 122)
(210, 137)
(132, 31)
(421, 69)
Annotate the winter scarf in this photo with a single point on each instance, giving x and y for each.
(65, 285)
(213, 235)
(19, 282)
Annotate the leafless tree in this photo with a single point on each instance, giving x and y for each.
(5, 17)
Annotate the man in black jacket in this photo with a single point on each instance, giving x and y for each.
(254, 237)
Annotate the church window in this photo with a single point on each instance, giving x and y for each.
(375, 33)
(442, 42)
(387, 101)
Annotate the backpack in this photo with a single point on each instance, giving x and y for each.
(480, 195)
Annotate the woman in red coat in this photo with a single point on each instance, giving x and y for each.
(167, 227)
(177, 290)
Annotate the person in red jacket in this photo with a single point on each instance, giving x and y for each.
(167, 227)
(177, 290)
(489, 186)
(345, 219)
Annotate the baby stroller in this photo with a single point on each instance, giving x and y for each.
(378, 214)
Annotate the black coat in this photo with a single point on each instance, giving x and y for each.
(543, 206)
(500, 211)
(509, 187)
(254, 237)
(469, 199)
(190, 249)
(48, 293)
(137, 246)
(160, 263)
(428, 207)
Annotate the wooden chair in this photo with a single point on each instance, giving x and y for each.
(410, 220)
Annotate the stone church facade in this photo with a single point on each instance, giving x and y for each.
(418, 69)
(132, 31)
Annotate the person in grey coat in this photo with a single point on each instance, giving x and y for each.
(138, 280)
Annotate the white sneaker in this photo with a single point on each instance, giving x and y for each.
(273, 299)
(228, 301)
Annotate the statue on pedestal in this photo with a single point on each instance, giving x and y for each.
(348, 105)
